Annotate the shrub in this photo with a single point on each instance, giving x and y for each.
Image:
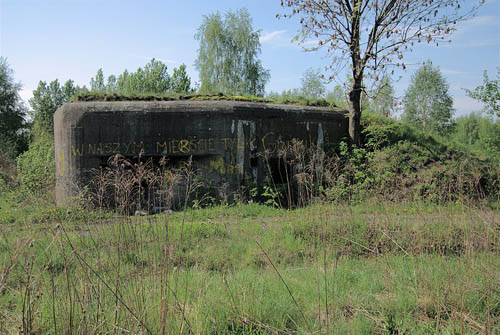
(8, 175)
(36, 167)
(401, 163)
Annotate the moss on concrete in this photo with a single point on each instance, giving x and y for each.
(196, 97)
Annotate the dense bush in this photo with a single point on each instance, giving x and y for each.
(36, 166)
(13, 126)
(8, 175)
(401, 163)
(478, 133)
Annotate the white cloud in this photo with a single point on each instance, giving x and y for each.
(272, 35)
(279, 39)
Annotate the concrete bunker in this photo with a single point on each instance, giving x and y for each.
(222, 138)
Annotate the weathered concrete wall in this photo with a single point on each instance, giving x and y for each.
(223, 137)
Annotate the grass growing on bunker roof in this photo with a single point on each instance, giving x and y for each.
(100, 96)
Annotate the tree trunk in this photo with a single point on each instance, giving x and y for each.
(357, 76)
(355, 111)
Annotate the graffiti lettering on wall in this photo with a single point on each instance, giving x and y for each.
(234, 143)
(187, 146)
(107, 148)
(183, 146)
(220, 166)
(61, 165)
(167, 147)
(206, 145)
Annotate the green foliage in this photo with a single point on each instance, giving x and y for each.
(13, 139)
(290, 98)
(270, 196)
(428, 104)
(152, 80)
(251, 269)
(8, 176)
(313, 86)
(478, 133)
(488, 93)
(312, 93)
(401, 163)
(47, 98)
(121, 96)
(36, 166)
(97, 82)
(467, 128)
(181, 83)
(112, 84)
(227, 57)
(383, 103)
(291, 94)
(337, 97)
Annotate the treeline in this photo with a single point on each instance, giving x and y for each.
(426, 106)
(153, 78)
(26, 135)
(19, 124)
(228, 63)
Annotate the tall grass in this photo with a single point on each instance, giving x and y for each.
(320, 269)
(312, 266)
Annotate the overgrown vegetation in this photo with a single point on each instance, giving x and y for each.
(401, 163)
(13, 126)
(399, 236)
(292, 100)
(152, 79)
(251, 269)
(36, 166)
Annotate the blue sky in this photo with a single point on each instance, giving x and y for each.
(72, 39)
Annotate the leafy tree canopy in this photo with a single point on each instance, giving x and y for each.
(383, 102)
(97, 82)
(12, 112)
(313, 85)
(227, 58)
(181, 83)
(47, 98)
(427, 102)
(152, 79)
(488, 93)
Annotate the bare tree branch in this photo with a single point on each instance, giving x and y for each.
(393, 27)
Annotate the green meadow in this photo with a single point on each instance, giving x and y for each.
(370, 268)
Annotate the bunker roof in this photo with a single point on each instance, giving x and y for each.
(300, 101)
